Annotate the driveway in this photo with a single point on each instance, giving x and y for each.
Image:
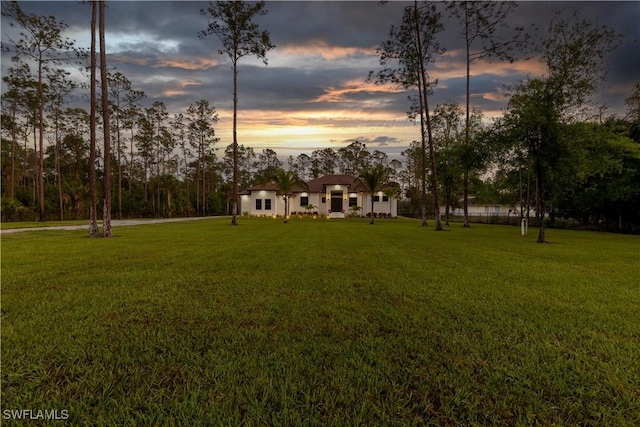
(114, 223)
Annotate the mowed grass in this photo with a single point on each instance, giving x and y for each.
(322, 322)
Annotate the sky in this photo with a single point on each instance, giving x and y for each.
(314, 92)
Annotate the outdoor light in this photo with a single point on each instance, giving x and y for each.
(344, 196)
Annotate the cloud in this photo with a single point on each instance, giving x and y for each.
(321, 48)
(314, 92)
(345, 91)
(379, 141)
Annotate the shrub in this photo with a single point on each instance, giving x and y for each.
(12, 210)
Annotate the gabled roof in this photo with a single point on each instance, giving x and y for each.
(319, 184)
(269, 186)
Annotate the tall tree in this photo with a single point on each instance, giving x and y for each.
(267, 164)
(179, 127)
(302, 165)
(19, 83)
(201, 118)
(58, 89)
(144, 139)
(232, 22)
(353, 158)
(106, 129)
(448, 128)
(323, 162)
(574, 55)
(122, 98)
(404, 57)
(373, 178)
(42, 41)
(93, 200)
(484, 27)
(132, 115)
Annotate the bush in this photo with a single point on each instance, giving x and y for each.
(12, 210)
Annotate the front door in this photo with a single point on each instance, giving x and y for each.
(336, 201)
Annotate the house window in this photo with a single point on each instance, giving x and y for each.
(385, 198)
(258, 204)
(267, 204)
(353, 201)
(376, 198)
(304, 201)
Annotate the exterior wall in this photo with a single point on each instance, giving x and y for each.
(314, 199)
(379, 207)
(248, 203)
(489, 209)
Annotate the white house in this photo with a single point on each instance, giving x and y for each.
(330, 195)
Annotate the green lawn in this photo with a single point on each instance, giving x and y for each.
(320, 322)
(38, 224)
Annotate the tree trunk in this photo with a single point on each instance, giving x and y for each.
(540, 202)
(467, 137)
(286, 209)
(131, 160)
(106, 219)
(204, 188)
(119, 148)
(372, 204)
(41, 143)
(434, 174)
(423, 143)
(234, 202)
(93, 215)
(198, 167)
(14, 144)
(58, 171)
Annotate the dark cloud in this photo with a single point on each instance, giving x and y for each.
(378, 141)
(324, 53)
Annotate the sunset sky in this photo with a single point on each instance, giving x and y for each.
(313, 93)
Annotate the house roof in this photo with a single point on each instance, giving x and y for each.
(320, 184)
(269, 186)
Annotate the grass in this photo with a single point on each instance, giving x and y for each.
(38, 224)
(322, 323)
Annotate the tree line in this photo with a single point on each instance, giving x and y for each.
(549, 153)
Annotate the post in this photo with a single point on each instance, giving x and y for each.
(524, 227)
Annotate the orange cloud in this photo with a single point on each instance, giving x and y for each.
(321, 48)
(337, 94)
(196, 64)
(127, 59)
(444, 70)
(173, 92)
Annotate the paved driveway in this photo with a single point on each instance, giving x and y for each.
(114, 223)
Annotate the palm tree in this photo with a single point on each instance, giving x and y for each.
(286, 181)
(373, 179)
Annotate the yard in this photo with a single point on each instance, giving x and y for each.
(322, 322)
